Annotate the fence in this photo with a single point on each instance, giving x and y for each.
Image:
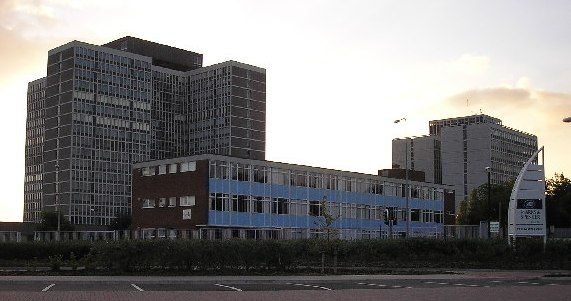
(560, 233)
(462, 231)
(6, 236)
(447, 231)
(234, 233)
(80, 235)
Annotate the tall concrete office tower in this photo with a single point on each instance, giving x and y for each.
(226, 111)
(34, 167)
(461, 148)
(102, 108)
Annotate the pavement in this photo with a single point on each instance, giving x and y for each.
(465, 285)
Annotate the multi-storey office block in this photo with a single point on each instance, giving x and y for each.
(458, 151)
(226, 110)
(103, 108)
(169, 66)
(468, 149)
(97, 123)
(423, 155)
(34, 151)
(220, 192)
(167, 118)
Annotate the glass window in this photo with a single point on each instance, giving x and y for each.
(162, 169)
(148, 203)
(146, 171)
(314, 208)
(187, 200)
(243, 204)
(258, 205)
(415, 215)
(188, 166)
(172, 201)
(260, 174)
(172, 168)
(438, 217)
(162, 202)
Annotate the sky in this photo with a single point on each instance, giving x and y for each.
(338, 72)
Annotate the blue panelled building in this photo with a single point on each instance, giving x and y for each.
(236, 197)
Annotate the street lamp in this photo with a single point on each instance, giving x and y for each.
(488, 170)
(57, 203)
(568, 119)
(406, 180)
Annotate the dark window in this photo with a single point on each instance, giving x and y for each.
(314, 208)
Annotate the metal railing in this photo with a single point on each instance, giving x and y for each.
(462, 231)
(213, 233)
(9, 236)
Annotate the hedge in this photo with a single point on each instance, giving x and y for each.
(245, 256)
(43, 250)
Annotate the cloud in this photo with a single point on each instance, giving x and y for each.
(21, 16)
(37, 19)
(522, 107)
(483, 97)
(28, 29)
(513, 100)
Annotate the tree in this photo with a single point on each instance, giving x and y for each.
(477, 208)
(558, 201)
(326, 219)
(121, 222)
(325, 222)
(49, 222)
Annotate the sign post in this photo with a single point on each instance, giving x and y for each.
(526, 215)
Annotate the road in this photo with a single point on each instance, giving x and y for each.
(466, 286)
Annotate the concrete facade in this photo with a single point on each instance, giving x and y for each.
(423, 155)
(101, 109)
(466, 146)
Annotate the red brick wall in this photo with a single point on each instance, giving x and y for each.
(170, 185)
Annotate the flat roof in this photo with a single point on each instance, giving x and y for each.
(282, 165)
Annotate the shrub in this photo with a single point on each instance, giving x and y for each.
(245, 256)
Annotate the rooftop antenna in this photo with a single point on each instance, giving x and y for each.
(467, 107)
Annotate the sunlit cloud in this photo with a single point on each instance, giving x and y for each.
(525, 108)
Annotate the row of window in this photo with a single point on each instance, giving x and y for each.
(273, 205)
(184, 201)
(278, 176)
(168, 168)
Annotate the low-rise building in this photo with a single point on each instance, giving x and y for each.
(221, 196)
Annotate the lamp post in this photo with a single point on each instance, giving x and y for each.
(406, 182)
(57, 203)
(488, 170)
